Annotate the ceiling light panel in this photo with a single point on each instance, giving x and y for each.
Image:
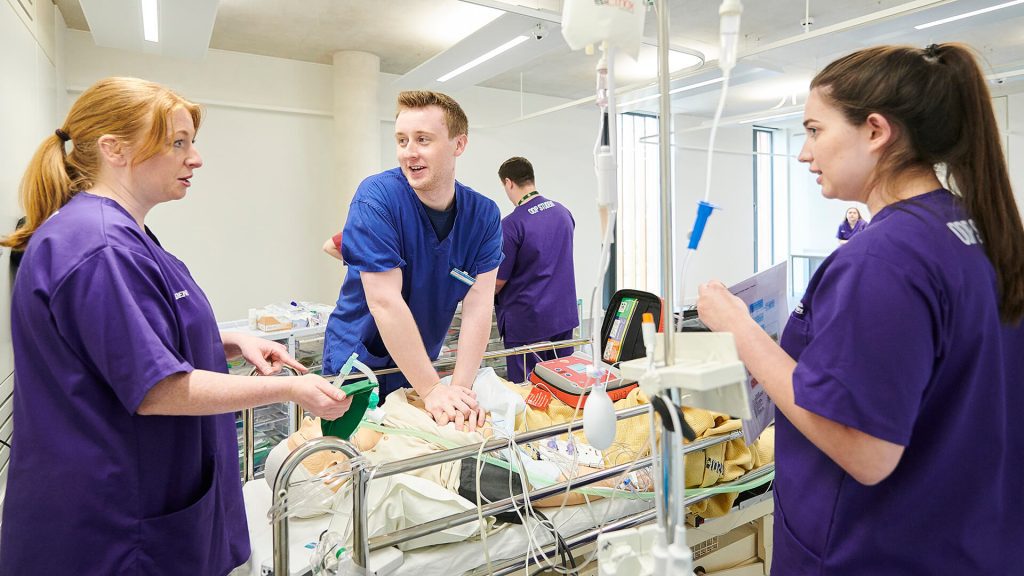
(150, 21)
(505, 32)
(968, 14)
(183, 30)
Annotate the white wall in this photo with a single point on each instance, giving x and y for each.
(252, 225)
(1013, 106)
(28, 113)
(29, 69)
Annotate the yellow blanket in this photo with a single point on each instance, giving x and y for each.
(720, 463)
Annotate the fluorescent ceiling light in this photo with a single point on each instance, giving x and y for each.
(484, 58)
(1004, 75)
(694, 86)
(675, 91)
(968, 14)
(150, 25)
(775, 117)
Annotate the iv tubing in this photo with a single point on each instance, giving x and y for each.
(714, 133)
(605, 92)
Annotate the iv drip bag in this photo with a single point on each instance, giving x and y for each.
(619, 22)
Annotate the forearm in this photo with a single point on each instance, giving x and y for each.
(201, 393)
(402, 338)
(231, 348)
(477, 311)
(866, 458)
(473, 337)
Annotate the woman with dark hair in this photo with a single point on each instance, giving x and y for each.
(898, 376)
(852, 224)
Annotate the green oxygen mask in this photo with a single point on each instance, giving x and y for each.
(363, 394)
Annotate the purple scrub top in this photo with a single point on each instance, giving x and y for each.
(899, 336)
(846, 231)
(388, 228)
(539, 297)
(100, 314)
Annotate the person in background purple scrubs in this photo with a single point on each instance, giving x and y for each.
(852, 224)
(899, 448)
(536, 285)
(124, 457)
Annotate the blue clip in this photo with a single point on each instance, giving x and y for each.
(703, 213)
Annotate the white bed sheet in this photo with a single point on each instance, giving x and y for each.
(509, 542)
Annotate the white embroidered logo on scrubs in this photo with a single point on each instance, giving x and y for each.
(180, 295)
(966, 231)
(541, 207)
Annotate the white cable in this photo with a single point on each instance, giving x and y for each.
(600, 524)
(479, 507)
(596, 316)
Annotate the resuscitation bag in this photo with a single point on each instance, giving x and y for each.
(360, 392)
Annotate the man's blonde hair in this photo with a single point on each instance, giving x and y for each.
(454, 117)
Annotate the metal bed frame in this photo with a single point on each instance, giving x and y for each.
(249, 419)
(360, 475)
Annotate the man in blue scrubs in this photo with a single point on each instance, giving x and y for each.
(417, 243)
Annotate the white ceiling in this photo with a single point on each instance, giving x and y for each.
(777, 57)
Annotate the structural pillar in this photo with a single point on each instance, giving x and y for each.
(356, 124)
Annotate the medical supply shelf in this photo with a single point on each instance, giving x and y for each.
(274, 422)
(361, 475)
(290, 337)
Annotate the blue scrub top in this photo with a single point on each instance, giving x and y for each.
(388, 228)
(899, 336)
(100, 314)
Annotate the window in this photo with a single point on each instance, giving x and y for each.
(764, 199)
(637, 254)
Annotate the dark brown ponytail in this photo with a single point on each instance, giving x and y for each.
(941, 107)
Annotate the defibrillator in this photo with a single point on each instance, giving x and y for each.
(567, 378)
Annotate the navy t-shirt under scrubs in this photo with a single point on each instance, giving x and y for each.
(100, 314)
(899, 336)
(388, 228)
